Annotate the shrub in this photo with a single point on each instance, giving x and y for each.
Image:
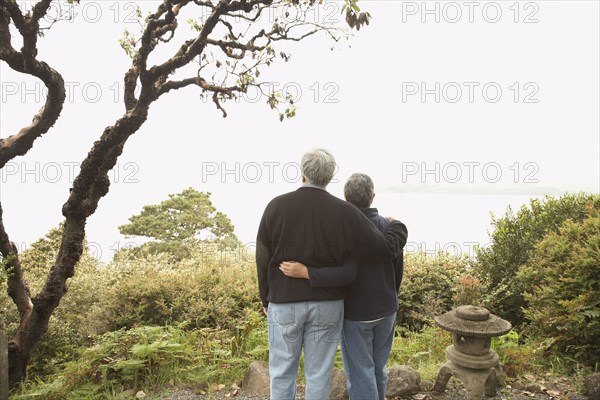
(208, 289)
(468, 291)
(563, 281)
(512, 244)
(428, 288)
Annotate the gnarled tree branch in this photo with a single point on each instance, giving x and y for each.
(25, 62)
(17, 287)
(192, 49)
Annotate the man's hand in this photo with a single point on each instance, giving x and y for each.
(294, 269)
(390, 219)
(266, 311)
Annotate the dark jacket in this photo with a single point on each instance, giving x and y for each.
(314, 227)
(374, 292)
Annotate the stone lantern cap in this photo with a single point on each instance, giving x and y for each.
(473, 321)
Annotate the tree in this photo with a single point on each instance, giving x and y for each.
(222, 60)
(176, 224)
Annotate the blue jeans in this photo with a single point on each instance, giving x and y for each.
(366, 347)
(315, 326)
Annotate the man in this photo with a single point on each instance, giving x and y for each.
(371, 305)
(316, 228)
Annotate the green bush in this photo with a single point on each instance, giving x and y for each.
(563, 295)
(429, 287)
(208, 289)
(512, 244)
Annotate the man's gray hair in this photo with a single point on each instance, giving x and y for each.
(318, 167)
(359, 190)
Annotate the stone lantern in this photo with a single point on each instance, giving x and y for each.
(470, 358)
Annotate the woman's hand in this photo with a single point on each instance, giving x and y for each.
(294, 269)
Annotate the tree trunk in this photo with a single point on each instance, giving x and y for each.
(4, 382)
(17, 365)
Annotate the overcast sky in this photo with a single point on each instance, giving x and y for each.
(489, 102)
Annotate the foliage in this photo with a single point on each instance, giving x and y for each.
(3, 271)
(148, 357)
(517, 359)
(67, 328)
(179, 224)
(468, 291)
(40, 256)
(355, 18)
(563, 289)
(428, 288)
(205, 311)
(512, 244)
(208, 325)
(209, 289)
(182, 217)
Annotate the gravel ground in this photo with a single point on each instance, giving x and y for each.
(559, 389)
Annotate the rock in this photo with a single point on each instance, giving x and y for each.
(592, 386)
(339, 387)
(140, 395)
(256, 382)
(402, 381)
(426, 386)
(534, 388)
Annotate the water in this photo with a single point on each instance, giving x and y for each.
(448, 222)
(436, 222)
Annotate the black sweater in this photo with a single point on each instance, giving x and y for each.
(314, 227)
(373, 293)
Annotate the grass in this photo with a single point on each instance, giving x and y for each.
(148, 357)
(423, 351)
(152, 358)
